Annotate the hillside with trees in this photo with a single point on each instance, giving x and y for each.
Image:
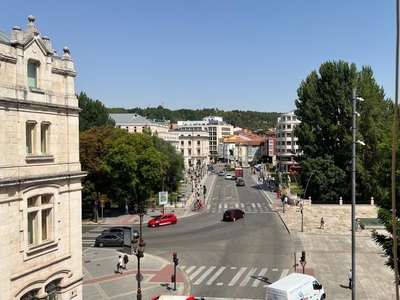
(258, 122)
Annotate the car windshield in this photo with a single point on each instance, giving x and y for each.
(157, 218)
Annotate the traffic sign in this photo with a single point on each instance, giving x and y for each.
(162, 198)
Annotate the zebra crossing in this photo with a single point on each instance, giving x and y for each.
(243, 276)
(248, 208)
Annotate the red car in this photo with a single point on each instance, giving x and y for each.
(173, 297)
(233, 214)
(163, 219)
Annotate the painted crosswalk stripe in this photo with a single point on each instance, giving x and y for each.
(190, 269)
(248, 277)
(197, 272)
(204, 275)
(215, 276)
(284, 273)
(237, 276)
(260, 277)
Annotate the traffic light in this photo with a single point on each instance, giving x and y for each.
(303, 256)
(175, 258)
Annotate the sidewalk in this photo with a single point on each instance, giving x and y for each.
(328, 250)
(101, 280)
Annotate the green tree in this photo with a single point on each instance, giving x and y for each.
(93, 113)
(385, 240)
(324, 106)
(133, 166)
(93, 144)
(175, 161)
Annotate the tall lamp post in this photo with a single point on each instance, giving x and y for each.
(353, 192)
(302, 202)
(138, 249)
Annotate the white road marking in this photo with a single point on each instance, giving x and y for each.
(215, 276)
(204, 275)
(259, 277)
(237, 276)
(284, 273)
(248, 277)
(197, 272)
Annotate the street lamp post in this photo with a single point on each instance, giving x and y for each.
(138, 249)
(353, 192)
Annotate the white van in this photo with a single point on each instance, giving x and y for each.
(296, 286)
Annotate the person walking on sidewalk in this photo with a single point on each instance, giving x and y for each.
(322, 224)
(350, 275)
(126, 209)
(120, 264)
(126, 260)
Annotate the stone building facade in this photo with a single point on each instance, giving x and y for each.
(40, 172)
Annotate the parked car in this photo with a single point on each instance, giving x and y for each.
(240, 182)
(163, 219)
(228, 176)
(120, 230)
(109, 240)
(221, 173)
(233, 214)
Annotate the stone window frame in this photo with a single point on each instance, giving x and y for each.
(51, 243)
(33, 137)
(41, 208)
(30, 129)
(33, 66)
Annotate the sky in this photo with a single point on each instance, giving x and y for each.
(223, 54)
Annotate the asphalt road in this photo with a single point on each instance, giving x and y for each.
(224, 259)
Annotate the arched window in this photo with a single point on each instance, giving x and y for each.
(52, 290)
(31, 295)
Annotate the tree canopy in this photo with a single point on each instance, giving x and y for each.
(324, 106)
(93, 113)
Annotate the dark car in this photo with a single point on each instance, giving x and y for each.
(120, 230)
(233, 214)
(239, 182)
(109, 240)
(163, 219)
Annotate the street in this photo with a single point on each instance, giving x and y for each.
(224, 259)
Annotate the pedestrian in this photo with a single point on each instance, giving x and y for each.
(322, 224)
(120, 264)
(153, 204)
(126, 260)
(126, 209)
(350, 275)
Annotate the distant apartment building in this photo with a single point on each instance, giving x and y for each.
(40, 172)
(217, 130)
(194, 147)
(286, 141)
(242, 148)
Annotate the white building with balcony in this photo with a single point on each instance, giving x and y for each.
(217, 130)
(286, 141)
